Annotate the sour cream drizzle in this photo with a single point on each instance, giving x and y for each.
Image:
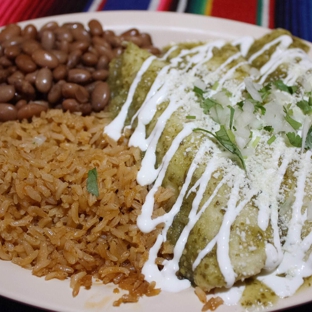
(115, 128)
(263, 186)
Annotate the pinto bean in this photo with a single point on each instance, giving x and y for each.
(55, 93)
(31, 77)
(44, 80)
(100, 74)
(7, 112)
(10, 31)
(90, 59)
(69, 90)
(25, 63)
(6, 93)
(60, 72)
(30, 31)
(45, 58)
(61, 56)
(14, 41)
(17, 75)
(95, 27)
(74, 58)
(59, 66)
(102, 62)
(100, 96)
(48, 39)
(20, 103)
(82, 95)
(4, 74)
(30, 46)
(79, 75)
(12, 52)
(25, 88)
(31, 109)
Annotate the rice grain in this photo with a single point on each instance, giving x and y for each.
(52, 225)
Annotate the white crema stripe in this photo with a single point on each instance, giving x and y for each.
(115, 128)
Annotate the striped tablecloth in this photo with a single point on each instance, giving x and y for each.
(294, 15)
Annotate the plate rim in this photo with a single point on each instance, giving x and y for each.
(120, 20)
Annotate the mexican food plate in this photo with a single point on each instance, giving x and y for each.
(233, 91)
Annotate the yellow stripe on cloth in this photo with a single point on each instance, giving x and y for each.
(208, 7)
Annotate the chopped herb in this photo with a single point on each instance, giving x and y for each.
(226, 139)
(294, 124)
(279, 84)
(205, 104)
(308, 141)
(232, 111)
(227, 92)
(240, 104)
(92, 185)
(265, 91)
(255, 142)
(268, 128)
(198, 91)
(271, 139)
(305, 106)
(190, 117)
(215, 85)
(294, 139)
(259, 106)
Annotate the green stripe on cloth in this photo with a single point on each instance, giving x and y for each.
(196, 6)
(259, 12)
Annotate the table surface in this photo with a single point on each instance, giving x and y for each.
(7, 305)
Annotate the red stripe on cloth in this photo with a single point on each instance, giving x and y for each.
(101, 6)
(13, 12)
(10, 14)
(164, 5)
(244, 10)
(272, 14)
(28, 13)
(41, 9)
(4, 6)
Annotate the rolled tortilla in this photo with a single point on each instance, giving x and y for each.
(228, 164)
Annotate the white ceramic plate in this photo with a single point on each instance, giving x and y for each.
(17, 283)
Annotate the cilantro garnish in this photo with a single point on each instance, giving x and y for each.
(226, 139)
(92, 185)
(271, 139)
(240, 104)
(305, 106)
(215, 86)
(232, 111)
(198, 91)
(308, 141)
(190, 117)
(259, 106)
(279, 84)
(265, 91)
(205, 103)
(227, 92)
(294, 139)
(293, 123)
(268, 128)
